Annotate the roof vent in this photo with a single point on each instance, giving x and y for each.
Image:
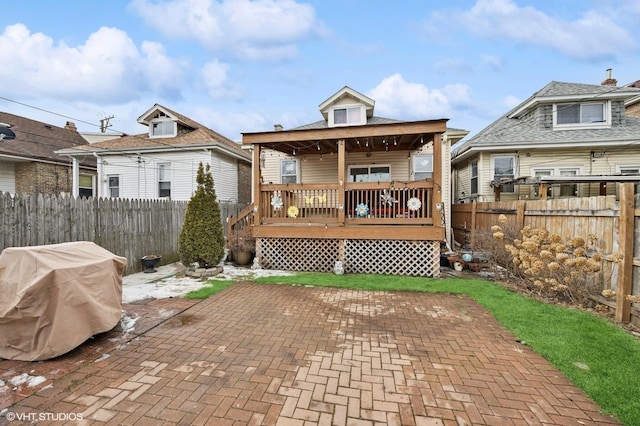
(277, 127)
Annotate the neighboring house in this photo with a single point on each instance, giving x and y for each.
(576, 137)
(29, 163)
(367, 191)
(163, 162)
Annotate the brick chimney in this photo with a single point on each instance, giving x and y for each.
(71, 126)
(609, 81)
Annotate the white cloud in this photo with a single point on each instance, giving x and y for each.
(216, 82)
(510, 102)
(453, 65)
(397, 98)
(593, 36)
(107, 67)
(255, 30)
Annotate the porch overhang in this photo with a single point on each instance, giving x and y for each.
(367, 138)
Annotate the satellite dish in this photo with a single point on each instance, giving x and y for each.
(6, 132)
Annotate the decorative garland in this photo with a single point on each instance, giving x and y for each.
(293, 211)
(414, 204)
(362, 209)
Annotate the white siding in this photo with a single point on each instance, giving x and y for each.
(139, 174)
(225, 177)
(7, 177)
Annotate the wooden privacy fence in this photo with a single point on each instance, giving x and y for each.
(614, 223)
(126, 227)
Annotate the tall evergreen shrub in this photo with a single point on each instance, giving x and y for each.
(201, 238)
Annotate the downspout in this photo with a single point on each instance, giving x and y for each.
(99, 168)
(75, 176)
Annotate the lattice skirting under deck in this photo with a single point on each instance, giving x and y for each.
(392, 257)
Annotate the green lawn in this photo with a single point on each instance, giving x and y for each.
(597, 356)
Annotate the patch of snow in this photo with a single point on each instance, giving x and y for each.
(127, 323)
(24, 378)
(135, 288)
(102, 358)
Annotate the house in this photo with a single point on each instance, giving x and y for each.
(163, 161)
(29, 163)
(566, 140)
(366, 191)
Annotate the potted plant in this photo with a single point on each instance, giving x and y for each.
(242, 244)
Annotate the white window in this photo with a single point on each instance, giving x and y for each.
(372, 173)
(536, 188)
(162, 128)
(569, 190)
(474, 177)
(347, 116)
(114, 186)
(85, 186)
(164, 180)
(580, 115)
(630, 170)
(563, 190)
(289, 171)
(504, 168)
(422, 166)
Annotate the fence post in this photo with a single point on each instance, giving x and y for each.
(520, 213)
(626, 236)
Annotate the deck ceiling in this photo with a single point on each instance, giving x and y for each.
(370, 138)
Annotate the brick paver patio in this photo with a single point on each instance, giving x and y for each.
(268, 354)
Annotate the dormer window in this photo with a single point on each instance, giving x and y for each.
(347, 116)
(592, 114)
(162, 127)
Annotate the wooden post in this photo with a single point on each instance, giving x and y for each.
(473, 222)
(603, 188)
(257, 183)
(542, 190)
(520, 214)
(342, 161)
(437, 179)
(626, 234)
(496, 193)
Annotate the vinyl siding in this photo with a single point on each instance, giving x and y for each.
(139, 174)
(7, 177)
(528, 162)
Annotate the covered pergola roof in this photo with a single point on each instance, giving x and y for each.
(400, 136)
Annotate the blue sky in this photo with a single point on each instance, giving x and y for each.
(242, 66)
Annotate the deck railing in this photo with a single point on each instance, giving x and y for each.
(362, 203)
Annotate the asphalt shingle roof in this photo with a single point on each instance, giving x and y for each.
(39, 141)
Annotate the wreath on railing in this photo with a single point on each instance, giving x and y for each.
(362, 209)
(293, 211)
(414, 204)
(276, 202)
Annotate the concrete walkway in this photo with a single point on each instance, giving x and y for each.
(269, 354)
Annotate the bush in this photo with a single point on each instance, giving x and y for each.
(201, 238)
(553, 266)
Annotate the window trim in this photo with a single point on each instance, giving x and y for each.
(93, 184)
(332, 111)
(606, 113)
(368, 166)
(297, 166)
(170, 180)
(109, 187)
(163, 121)
(493, 170)
(472, 177)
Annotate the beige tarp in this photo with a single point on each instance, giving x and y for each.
(54, 297)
